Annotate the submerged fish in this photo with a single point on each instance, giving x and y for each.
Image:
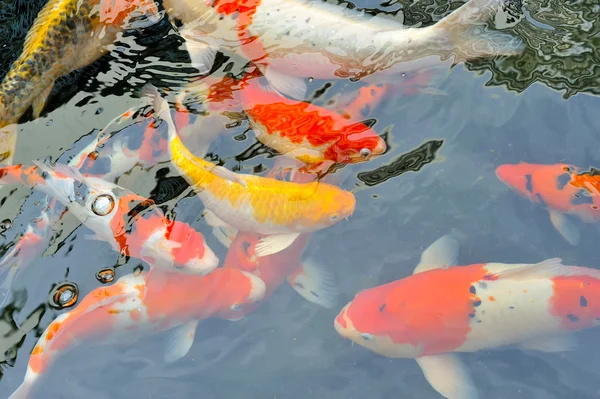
(564, 189)
(281, 210)
(134, 306)
(440, 310)
(128, 222)
(67, 35)
(309, 133)
(295, 39)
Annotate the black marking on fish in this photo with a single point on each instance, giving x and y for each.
(314, 293)
(382, 307)
(511, 307)
(411, 161)
(472, 290)
(471, 315)
(529, 183)
(582, 301)
(476, 303)
(573, 318)
(482, 284)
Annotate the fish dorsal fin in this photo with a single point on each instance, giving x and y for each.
(442, 253)
(548, 268)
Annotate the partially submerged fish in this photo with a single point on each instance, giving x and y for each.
(295, 39)
(564, 189)
(131, 224)
(281, 210)
(67, 35)
(440, 310)
(134, 306)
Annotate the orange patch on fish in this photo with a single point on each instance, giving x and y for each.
(576, 301)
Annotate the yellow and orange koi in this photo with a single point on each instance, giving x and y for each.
(281, 210)
(142, 304)
(67, 35)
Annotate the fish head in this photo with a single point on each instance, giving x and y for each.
(361, 146)
(529, 180)
(100, 205)
(330, 205)
(237, 292)
(241, 254)
(368, 322)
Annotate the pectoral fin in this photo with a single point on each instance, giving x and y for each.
(179, 341)
(442, 253)
(315, 283)
(565, 227)
(288, 85)
(274, 243)
(39, 102)
(448, 375)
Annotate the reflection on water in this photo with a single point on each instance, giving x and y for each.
(165, 171)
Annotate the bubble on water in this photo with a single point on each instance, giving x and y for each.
(64, 295)
(50, 122)
(99, 111)
(6, 224)
(94, 155)
(310, 80)
(105, 275)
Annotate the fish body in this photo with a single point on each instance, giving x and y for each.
(440, 310)
(66, 35)
(310, 39)
(282, 210)
(135, 306)
(128, 222)
(563, 189)
(309, 133)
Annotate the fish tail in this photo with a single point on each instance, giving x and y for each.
(465, 33)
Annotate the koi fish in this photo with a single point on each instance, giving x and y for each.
(129, 223)
(441, 310)
(312, 281)
(66, 35)
(134, 307)
(299, 39)
(309, 133)
(564, 189)
(281, 210)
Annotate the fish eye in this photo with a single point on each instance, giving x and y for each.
(365, 153)
(334, 217)
(103, 204)
(366, 336)
(236, 306)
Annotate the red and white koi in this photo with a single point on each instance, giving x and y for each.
(136, 306)
(126, 221)
(298, 39)
(564, 189)
(441, 310)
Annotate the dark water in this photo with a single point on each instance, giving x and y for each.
(438, 175)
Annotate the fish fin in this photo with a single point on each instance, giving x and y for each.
(10, 267)
(315, 283)
(442, 253)
(228, 175)
(179, 341)
(554, 343)
(274, 243)
(39, 102)
(447, 374)
(66, 170)
(8, 143)
(565, 227)
(465, 34)
(288, 85)
(548, 268)
(202, 56)
(225, 235)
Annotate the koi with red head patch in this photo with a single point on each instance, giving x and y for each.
(307, 132)
(136, 306)
(564, 189)
(442, 309)
(126, 221)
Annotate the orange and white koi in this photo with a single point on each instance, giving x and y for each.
(128, 222)
(134, 306)
(563, 189)
(441, 310)
(66, 35)
(299, 39)
(281, 210)
(309, 133)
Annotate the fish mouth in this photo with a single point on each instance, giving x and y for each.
(380, 148)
